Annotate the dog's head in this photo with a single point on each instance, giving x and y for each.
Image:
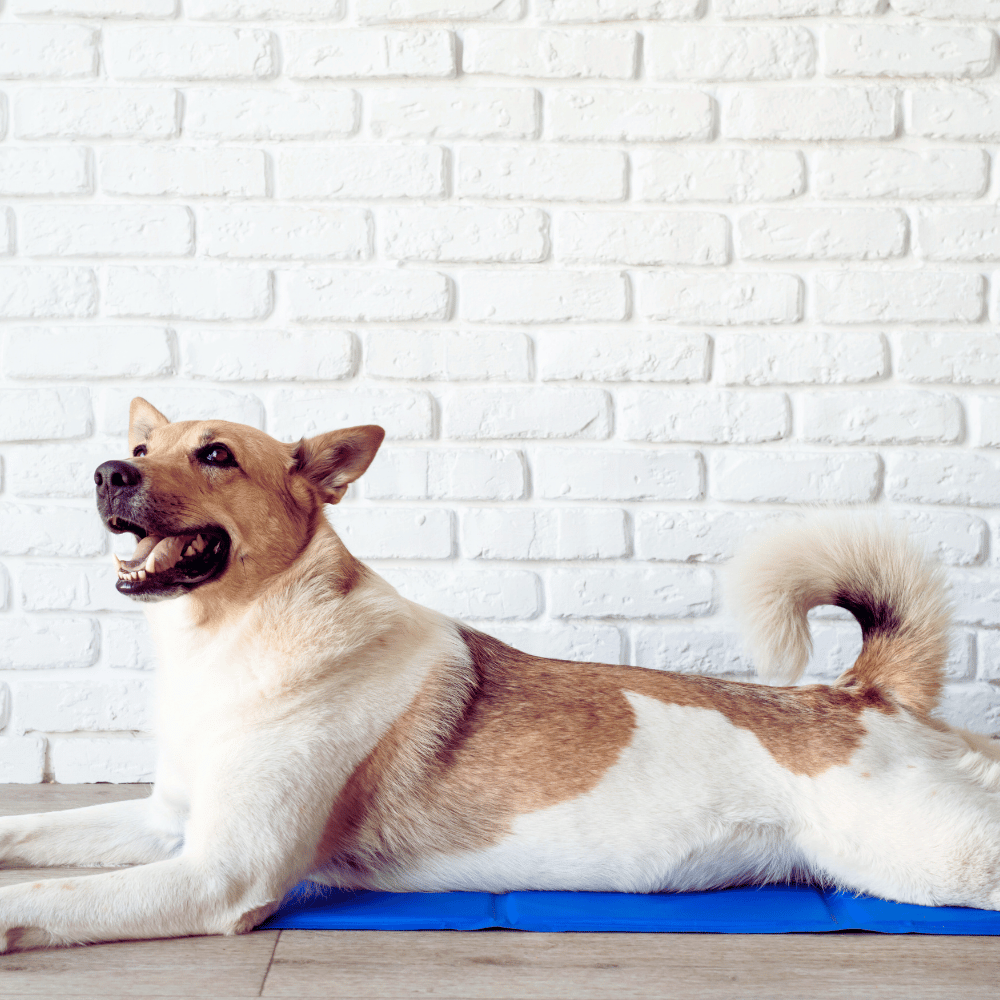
(208, 500)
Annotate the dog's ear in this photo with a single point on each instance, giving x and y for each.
(143, 418)
(332, 461)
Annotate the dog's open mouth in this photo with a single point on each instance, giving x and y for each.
(170, 562)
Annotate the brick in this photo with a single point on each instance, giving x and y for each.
(106, 230)
(40, 291)
(55, 471)
(179, 404)
(627, 115)
(726, 175)
(973, 706)
(526, 413)
(807, 357)
(975, 594)
(601, 54)
(45, 171)
(285, 232)
(953, 113)
(586, 642)
(809, 114)
(180, 170)
(263, 355)
(96, 8)
(6, 232)
(87, 352)
(448, 355)
(796, 8)
(40, 643)
(202, 293)
(360, 171)
(612, 474)
(972, 10)
(546, 173)
(470, 594)
(631, 592)
(748, 52)
(702, 415)
(618, 10)
(44, 51)
(642, 238)
(344, 53)
(984, 412)
(244, 113)
(969, 478)
(950, 536)
(898, 297)
(404, 413)
(943, 357)
(622, 355)
(395, 532)
(883, 50)
(720, 299)
(380, 11)
(885, 416)
(454, 113)
(183, 52)
(795, 477)
(533, 533)
(59, 587)
(689, 650)
(68, 706)
(22, 760)
(381, 295)
(264, 10)
(821, 234)
(959, 233)
(900, 173)
(548, 296)
(464, 234)
(44, 414)
(96, 113)
(988, 655)
(700, 536)
(451, 474)
(93, 759)
(129, 644)
(26, 530)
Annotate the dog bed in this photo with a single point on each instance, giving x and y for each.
(772, 909)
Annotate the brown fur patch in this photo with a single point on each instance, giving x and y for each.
(521, 732)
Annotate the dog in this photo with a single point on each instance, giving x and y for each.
(314, 724)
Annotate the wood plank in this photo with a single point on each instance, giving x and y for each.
(15, 799)
(365, 965)
(203, 967)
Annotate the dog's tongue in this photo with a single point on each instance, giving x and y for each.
(165, 553)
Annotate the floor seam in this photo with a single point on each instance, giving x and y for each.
(270, 962)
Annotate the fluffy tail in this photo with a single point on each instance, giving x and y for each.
(859, 563)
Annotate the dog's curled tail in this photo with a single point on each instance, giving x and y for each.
(862, 564)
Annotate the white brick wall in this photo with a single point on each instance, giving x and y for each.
(623, 279)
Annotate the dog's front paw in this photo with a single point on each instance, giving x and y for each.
(25, 938)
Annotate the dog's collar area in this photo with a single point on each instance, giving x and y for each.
(166, 565)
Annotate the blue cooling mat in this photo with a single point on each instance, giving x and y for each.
(772, 909)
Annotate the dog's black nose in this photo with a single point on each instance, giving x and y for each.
(115, 475)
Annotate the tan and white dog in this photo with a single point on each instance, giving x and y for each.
(315, 724)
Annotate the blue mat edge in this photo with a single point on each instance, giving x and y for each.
(773, 909)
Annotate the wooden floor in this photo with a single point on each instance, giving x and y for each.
(487, 964)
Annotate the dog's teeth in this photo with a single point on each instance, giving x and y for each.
(141, 574)
(198, 543)
(189, 551)
(118, 562)
(150, 565)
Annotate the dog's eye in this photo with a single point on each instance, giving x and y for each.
(138, 451)
(216, 454)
